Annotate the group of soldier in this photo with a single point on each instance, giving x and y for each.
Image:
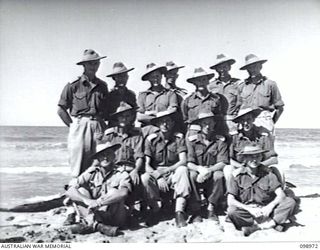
(142, 159)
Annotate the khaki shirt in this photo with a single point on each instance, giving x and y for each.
(131, 145)
(265, 93)
(260, 136)
(229, 94)
(254, 190)
(202, 154)
(193, 104)
(157, 101)
(97, 181)
(83, 99)
(164, 153)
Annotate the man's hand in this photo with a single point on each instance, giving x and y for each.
(266, 210)
(160, 171)
(92, 204)
(135, 177)
(255, 211)
(204, 174)
(163, 186)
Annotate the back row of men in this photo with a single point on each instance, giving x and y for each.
(218, 136)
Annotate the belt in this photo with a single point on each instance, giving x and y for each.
(91, 117)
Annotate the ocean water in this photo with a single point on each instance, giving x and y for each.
(34, 161)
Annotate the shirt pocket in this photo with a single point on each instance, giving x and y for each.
(173, 155)
(264, 96)
(80, 101)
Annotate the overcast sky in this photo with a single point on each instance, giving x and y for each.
(41, 41)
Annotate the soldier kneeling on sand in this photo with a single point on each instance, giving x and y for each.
(255, 197)
(98, 194)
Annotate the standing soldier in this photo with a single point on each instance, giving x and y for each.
(258, 91)
(171, 78)
(200, 100)
(157, 98)
(166, 155)
(227, 88)
(207, 156)
(120, 92)
(85, 99)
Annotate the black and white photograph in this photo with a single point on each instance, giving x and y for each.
(181, 121)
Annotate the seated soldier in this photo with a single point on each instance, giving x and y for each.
(207, 156)
(130, 156)
(255, 197)
(249, 133)
(98, 194)
(165, 154)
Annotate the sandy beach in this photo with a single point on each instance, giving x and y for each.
(47, 227)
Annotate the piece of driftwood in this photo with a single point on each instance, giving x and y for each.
(40, 206)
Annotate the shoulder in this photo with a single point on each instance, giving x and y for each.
(75, 80)
(262, 131)
(152, 137)
(194, 138)
(130, 92)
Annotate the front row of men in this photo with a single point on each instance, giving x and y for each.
(165, 168)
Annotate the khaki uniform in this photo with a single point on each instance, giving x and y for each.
(164, 154)
(265, 94)
(257, 191)
(87, 106)
(207, 155)
(96, 183)
(157, 101)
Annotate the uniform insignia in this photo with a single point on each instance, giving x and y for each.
(193, 137)
(110, 131)
(264, 134)
(151, 137)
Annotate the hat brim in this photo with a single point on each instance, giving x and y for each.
(229, 61)
(96, 59)
(121, 112)
(203, 118)
(121, 72)
(191, 80)
(154, 120)
(163, 70)
(255, 112)
(113, 148)
(258, 61)
(179, 67)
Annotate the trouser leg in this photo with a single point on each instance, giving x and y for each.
(216, 188)
(240, 217)
(151, 190)
(194, 201)
(284, 210)
(227, 172)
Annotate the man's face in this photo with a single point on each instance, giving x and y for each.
(106, 159)
(91, 67)
(171, 76)
(253, 160)
(254, 69)
(121, 79)
(223, 68)
(126, 118)
(155, 78)
(207, 125)
(201, 83)
(165, 124)
(246, 122)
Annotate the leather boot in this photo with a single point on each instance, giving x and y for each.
(180, 219)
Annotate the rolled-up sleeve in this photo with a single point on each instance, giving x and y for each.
(141, 102)
(276, 98)
(223, 153)
(138, 148)
(233, 187)
(66, 97)
(191, 156)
